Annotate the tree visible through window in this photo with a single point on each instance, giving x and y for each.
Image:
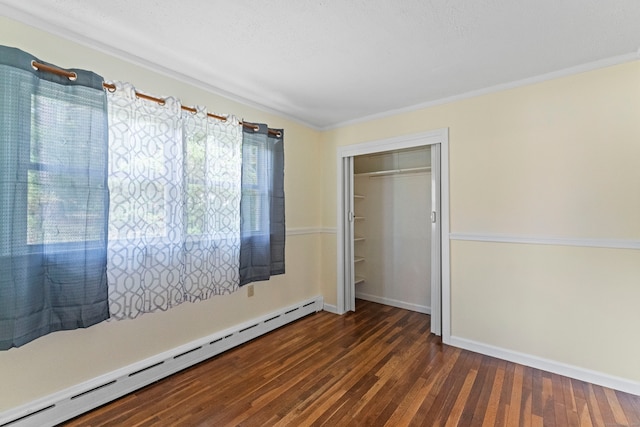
(61, 208)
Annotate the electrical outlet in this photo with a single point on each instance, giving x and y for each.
(250, 290)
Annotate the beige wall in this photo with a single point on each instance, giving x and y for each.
(554, 159)
(63, 359)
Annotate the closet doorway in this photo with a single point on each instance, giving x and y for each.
(392, 228)
(379, 179)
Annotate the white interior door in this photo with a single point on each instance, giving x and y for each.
(350, 211)
(347, 240)
(436, 242)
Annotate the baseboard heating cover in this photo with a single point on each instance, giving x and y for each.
(83, 397)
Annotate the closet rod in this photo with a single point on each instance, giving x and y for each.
(394, 171)
(112, 88)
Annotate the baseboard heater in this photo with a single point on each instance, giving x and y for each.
(66, 404)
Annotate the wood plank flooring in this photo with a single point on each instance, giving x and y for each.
(375, 367)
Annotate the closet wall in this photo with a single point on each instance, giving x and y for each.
(392, 203)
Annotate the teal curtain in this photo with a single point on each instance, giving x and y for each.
(53, 200)
(262, 221)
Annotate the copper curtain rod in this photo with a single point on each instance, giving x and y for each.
(111, 88)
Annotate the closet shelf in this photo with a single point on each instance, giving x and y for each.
(359, 279)
(358, 259)
(394, 171)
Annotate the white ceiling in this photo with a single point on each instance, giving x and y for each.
(328, 62)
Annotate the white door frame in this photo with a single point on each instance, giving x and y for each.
(439, 136)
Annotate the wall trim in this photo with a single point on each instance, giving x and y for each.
(394, 303)
(301, 231)
(75, 400)
(582, 374)
(40, 23)
(331, 308)
(547, 240)
(582, 68)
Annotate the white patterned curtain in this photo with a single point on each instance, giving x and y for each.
(174, 227)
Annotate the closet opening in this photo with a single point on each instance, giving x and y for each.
(392, 228)
(392, 216)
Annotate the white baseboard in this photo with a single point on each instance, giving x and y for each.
(559, 368)
(394, 303)
(330, 308)
(66, 404)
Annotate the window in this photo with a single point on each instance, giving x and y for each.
(251, 193)
(212, 177)
(142, 149)
(61, 207)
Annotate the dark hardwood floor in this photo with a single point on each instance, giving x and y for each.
(375, 367)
